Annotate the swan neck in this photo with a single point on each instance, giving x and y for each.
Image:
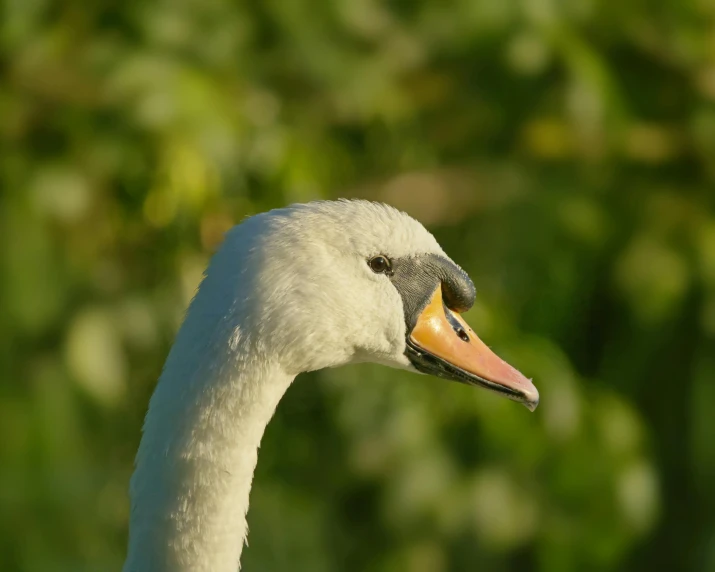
(195, 465)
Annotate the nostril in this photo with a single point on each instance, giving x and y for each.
(464, 336)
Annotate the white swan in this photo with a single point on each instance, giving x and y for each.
(292, 290)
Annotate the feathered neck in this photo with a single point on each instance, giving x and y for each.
(196, 460)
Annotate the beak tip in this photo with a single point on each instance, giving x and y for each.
(531, 399)
(531, 405)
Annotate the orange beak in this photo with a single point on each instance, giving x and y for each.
(441, 343)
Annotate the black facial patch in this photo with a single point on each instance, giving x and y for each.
(417, 277)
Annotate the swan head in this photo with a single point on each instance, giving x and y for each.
(333, 282)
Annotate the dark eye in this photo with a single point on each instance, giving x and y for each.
(379, 264)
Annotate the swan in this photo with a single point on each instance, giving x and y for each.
(291, 290)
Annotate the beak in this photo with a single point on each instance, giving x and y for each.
(442, 344)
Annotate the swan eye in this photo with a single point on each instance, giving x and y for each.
(379, 265)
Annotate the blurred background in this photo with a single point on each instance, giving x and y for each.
(561, 152)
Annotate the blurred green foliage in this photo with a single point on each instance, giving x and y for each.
(562, 152)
